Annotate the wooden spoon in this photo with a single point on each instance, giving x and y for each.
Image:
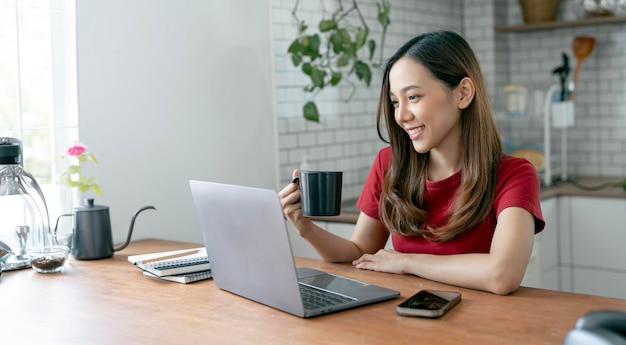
(582, 47)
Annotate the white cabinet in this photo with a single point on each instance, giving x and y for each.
(595, 261)
(542, 270)
(598, 232)
(550, 244)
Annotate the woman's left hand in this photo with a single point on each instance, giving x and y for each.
(385, 260)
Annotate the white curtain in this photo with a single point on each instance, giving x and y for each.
(38, 98)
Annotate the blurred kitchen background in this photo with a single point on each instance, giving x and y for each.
(345, 139)
(206, 90)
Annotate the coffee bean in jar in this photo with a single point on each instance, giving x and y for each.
(48, 259)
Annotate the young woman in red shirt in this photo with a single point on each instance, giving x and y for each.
(459, 211)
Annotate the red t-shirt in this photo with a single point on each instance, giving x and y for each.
(517, 185)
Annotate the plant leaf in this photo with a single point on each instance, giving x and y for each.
(317, 77)
(343, 61)
(96, 189)
(344, 35)
(296, 59)
(73, 169)
(327, 25)
(307, 68)
(309, 110)
(336, 42)
(302, 26)
(363, 72)
(372, 48)
(350, 50)
(335, 78)
(294, 47)
(311, 46)
(361, 37)
(383, 12)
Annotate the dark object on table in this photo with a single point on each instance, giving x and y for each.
(599, 327)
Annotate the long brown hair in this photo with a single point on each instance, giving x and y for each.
(450, 59)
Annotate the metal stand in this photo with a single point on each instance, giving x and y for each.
(556, 115)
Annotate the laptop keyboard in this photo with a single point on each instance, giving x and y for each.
(315, 298)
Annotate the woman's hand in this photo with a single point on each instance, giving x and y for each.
(292, 207)
(385, 260)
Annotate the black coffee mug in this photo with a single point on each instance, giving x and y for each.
(321, 192)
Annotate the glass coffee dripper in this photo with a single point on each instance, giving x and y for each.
(24, 222)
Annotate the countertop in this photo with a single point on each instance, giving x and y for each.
(602, 187)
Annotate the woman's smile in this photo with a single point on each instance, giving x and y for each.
(415, 132)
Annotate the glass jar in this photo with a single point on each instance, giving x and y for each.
(593, 8)
(24, 222)
(516, 100)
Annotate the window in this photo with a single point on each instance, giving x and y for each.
(38, 97)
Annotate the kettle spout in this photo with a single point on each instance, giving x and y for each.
(132, 225)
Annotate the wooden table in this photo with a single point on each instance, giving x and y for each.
(110, 302)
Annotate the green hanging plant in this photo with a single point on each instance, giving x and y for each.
(332, 54)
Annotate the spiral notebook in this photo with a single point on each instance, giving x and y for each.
(185, 278)
(173, 262)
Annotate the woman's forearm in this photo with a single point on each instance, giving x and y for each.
(475, 271)
(329, 246)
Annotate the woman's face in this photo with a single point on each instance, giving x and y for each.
(424, 107)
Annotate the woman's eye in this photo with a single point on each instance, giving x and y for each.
(413, 97)
(394, 103)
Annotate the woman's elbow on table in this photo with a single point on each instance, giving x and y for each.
(504, 282)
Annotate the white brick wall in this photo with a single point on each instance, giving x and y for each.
(346, 137)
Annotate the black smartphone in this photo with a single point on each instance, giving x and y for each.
(429, 303)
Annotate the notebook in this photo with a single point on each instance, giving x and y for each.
(175, 262)
(185, 278)
(244, 231)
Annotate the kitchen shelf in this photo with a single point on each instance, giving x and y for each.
(562, 24)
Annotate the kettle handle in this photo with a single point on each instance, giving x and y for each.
(56, 225)
(132, 225)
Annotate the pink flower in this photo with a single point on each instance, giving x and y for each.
(77, 149)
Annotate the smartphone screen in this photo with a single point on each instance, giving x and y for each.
(429, 303)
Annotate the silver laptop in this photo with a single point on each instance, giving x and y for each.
(247, 243)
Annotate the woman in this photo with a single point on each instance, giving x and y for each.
(458, 210)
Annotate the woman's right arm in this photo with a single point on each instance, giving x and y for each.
(368, 237)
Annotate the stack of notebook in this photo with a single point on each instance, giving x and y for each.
(182, 266)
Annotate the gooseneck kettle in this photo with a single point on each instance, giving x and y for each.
(93, 238)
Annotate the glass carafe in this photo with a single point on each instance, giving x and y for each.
(24, 222)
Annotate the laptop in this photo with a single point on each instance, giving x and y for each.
(245, 234)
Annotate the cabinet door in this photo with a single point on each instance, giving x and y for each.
(598, 235)
(542, 269)
(550, 243)
(534, 273)
(601, 283)
(550, 234)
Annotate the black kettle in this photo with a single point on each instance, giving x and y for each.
(93, 238)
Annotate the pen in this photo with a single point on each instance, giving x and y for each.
(190, 252)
